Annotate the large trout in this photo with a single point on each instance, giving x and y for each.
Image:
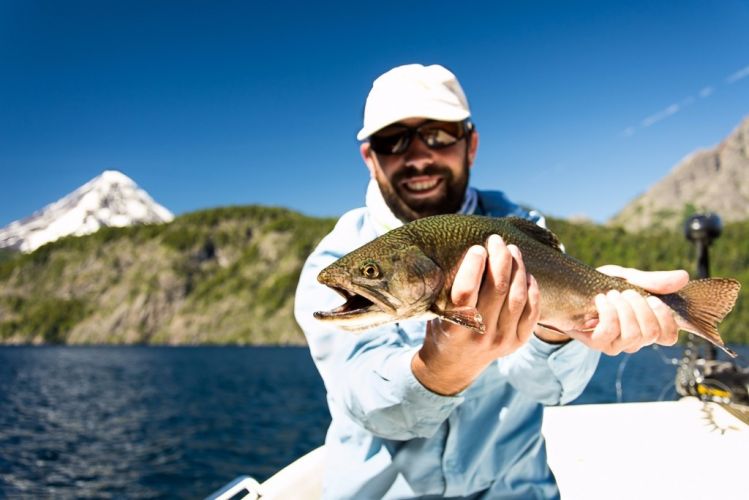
(408, 272)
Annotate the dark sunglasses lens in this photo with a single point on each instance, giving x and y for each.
(391, 141)
(395, 139)
(442, 134)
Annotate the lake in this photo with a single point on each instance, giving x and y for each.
(148, 422)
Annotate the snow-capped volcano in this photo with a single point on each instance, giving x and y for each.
(110, 199)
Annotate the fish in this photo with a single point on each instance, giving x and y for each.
(408, 273)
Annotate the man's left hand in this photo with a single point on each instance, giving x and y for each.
(627, 320)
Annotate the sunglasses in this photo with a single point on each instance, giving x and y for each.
(395, 139)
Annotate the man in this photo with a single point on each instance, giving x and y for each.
(432, 409)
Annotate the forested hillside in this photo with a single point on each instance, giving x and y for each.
(227, 276)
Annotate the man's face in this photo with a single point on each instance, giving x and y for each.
(421, 181)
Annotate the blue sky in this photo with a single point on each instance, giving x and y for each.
(580, 105)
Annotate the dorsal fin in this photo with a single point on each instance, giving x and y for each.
(536, 232)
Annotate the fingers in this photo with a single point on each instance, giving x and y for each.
(516, 301)
(465, 289)
(629, 321)
(509, 298)
(607, 329)
(669, 330)
(495, 281)
(639, 326)
(532, 311)
(653, 281)
(499, 279)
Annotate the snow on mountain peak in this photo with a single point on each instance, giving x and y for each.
(113, 177)
(109, 199)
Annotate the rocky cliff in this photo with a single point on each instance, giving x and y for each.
(715, 180)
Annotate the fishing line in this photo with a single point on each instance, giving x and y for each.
(665, 389)
(623, 364)
(619, 374)
(668, 361)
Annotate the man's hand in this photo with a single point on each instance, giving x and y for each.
(628, 321)
(508, 299)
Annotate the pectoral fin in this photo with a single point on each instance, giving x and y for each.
(466, 316)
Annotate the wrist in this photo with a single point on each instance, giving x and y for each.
(438, 379)
(444, 373)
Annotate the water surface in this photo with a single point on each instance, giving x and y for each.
(147, 422)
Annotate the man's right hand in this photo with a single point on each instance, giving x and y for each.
(494, 280)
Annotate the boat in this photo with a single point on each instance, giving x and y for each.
(686, 449)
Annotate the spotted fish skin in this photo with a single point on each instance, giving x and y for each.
(408, 272)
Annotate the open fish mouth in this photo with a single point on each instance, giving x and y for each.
(359, 310)
(355, 304)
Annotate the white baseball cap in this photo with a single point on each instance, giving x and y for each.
(413, 91)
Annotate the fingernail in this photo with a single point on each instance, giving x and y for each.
(515, 252)
(600, 300)
(494, 240)
(477, 251)
(653, 302)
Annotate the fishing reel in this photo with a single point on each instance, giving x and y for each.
(713, 380)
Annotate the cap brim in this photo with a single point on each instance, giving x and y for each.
(447, 114)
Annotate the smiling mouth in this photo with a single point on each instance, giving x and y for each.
(421, 185)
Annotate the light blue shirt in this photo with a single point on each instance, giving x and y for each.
(390, 437)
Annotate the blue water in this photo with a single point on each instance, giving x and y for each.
(147, 422)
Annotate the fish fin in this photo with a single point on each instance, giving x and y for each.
(536, 232)
(702, 304)
(466, 316)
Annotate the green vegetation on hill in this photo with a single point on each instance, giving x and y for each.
(217, 276)
(6, 254)
(228, 275)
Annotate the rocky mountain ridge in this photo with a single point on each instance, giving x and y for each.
(714, 180)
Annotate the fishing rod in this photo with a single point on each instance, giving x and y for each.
(700, 373)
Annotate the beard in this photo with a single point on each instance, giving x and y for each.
(408, 209)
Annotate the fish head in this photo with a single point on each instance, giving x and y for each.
(381, 282)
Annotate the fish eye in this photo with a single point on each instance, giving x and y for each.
(370, 270)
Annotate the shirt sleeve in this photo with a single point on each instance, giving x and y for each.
(368, 375)
(551, 374)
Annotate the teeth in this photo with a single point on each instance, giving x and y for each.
(422, 185)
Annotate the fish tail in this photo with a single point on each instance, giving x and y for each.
(702, 304)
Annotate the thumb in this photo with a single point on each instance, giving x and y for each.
(652, 281)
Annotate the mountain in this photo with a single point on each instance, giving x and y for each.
(111, 199)
(715, 180)
(219, 276)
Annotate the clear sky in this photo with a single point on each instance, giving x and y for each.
(580, 105)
